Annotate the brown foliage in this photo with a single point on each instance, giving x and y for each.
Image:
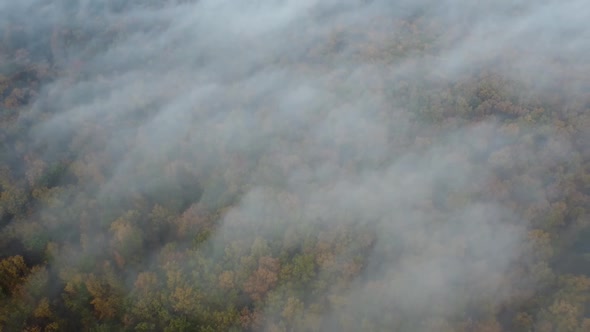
(263, 279)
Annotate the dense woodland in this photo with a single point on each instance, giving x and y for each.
(251, 221)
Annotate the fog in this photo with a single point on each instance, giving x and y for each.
(310, 101)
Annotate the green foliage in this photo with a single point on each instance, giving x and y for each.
(52, 176)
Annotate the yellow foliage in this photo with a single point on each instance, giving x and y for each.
(12, 272)
(43, 310)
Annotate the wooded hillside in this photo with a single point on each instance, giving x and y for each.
(294, 166)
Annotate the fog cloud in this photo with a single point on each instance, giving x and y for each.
(309, 98)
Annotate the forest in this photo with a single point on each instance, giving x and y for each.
(286, 166)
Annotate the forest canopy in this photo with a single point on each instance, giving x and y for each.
(350, 165)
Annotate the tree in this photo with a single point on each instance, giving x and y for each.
(13, 271)
(263, 279)
(128, 238)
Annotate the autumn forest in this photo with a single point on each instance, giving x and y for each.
(282, 165)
